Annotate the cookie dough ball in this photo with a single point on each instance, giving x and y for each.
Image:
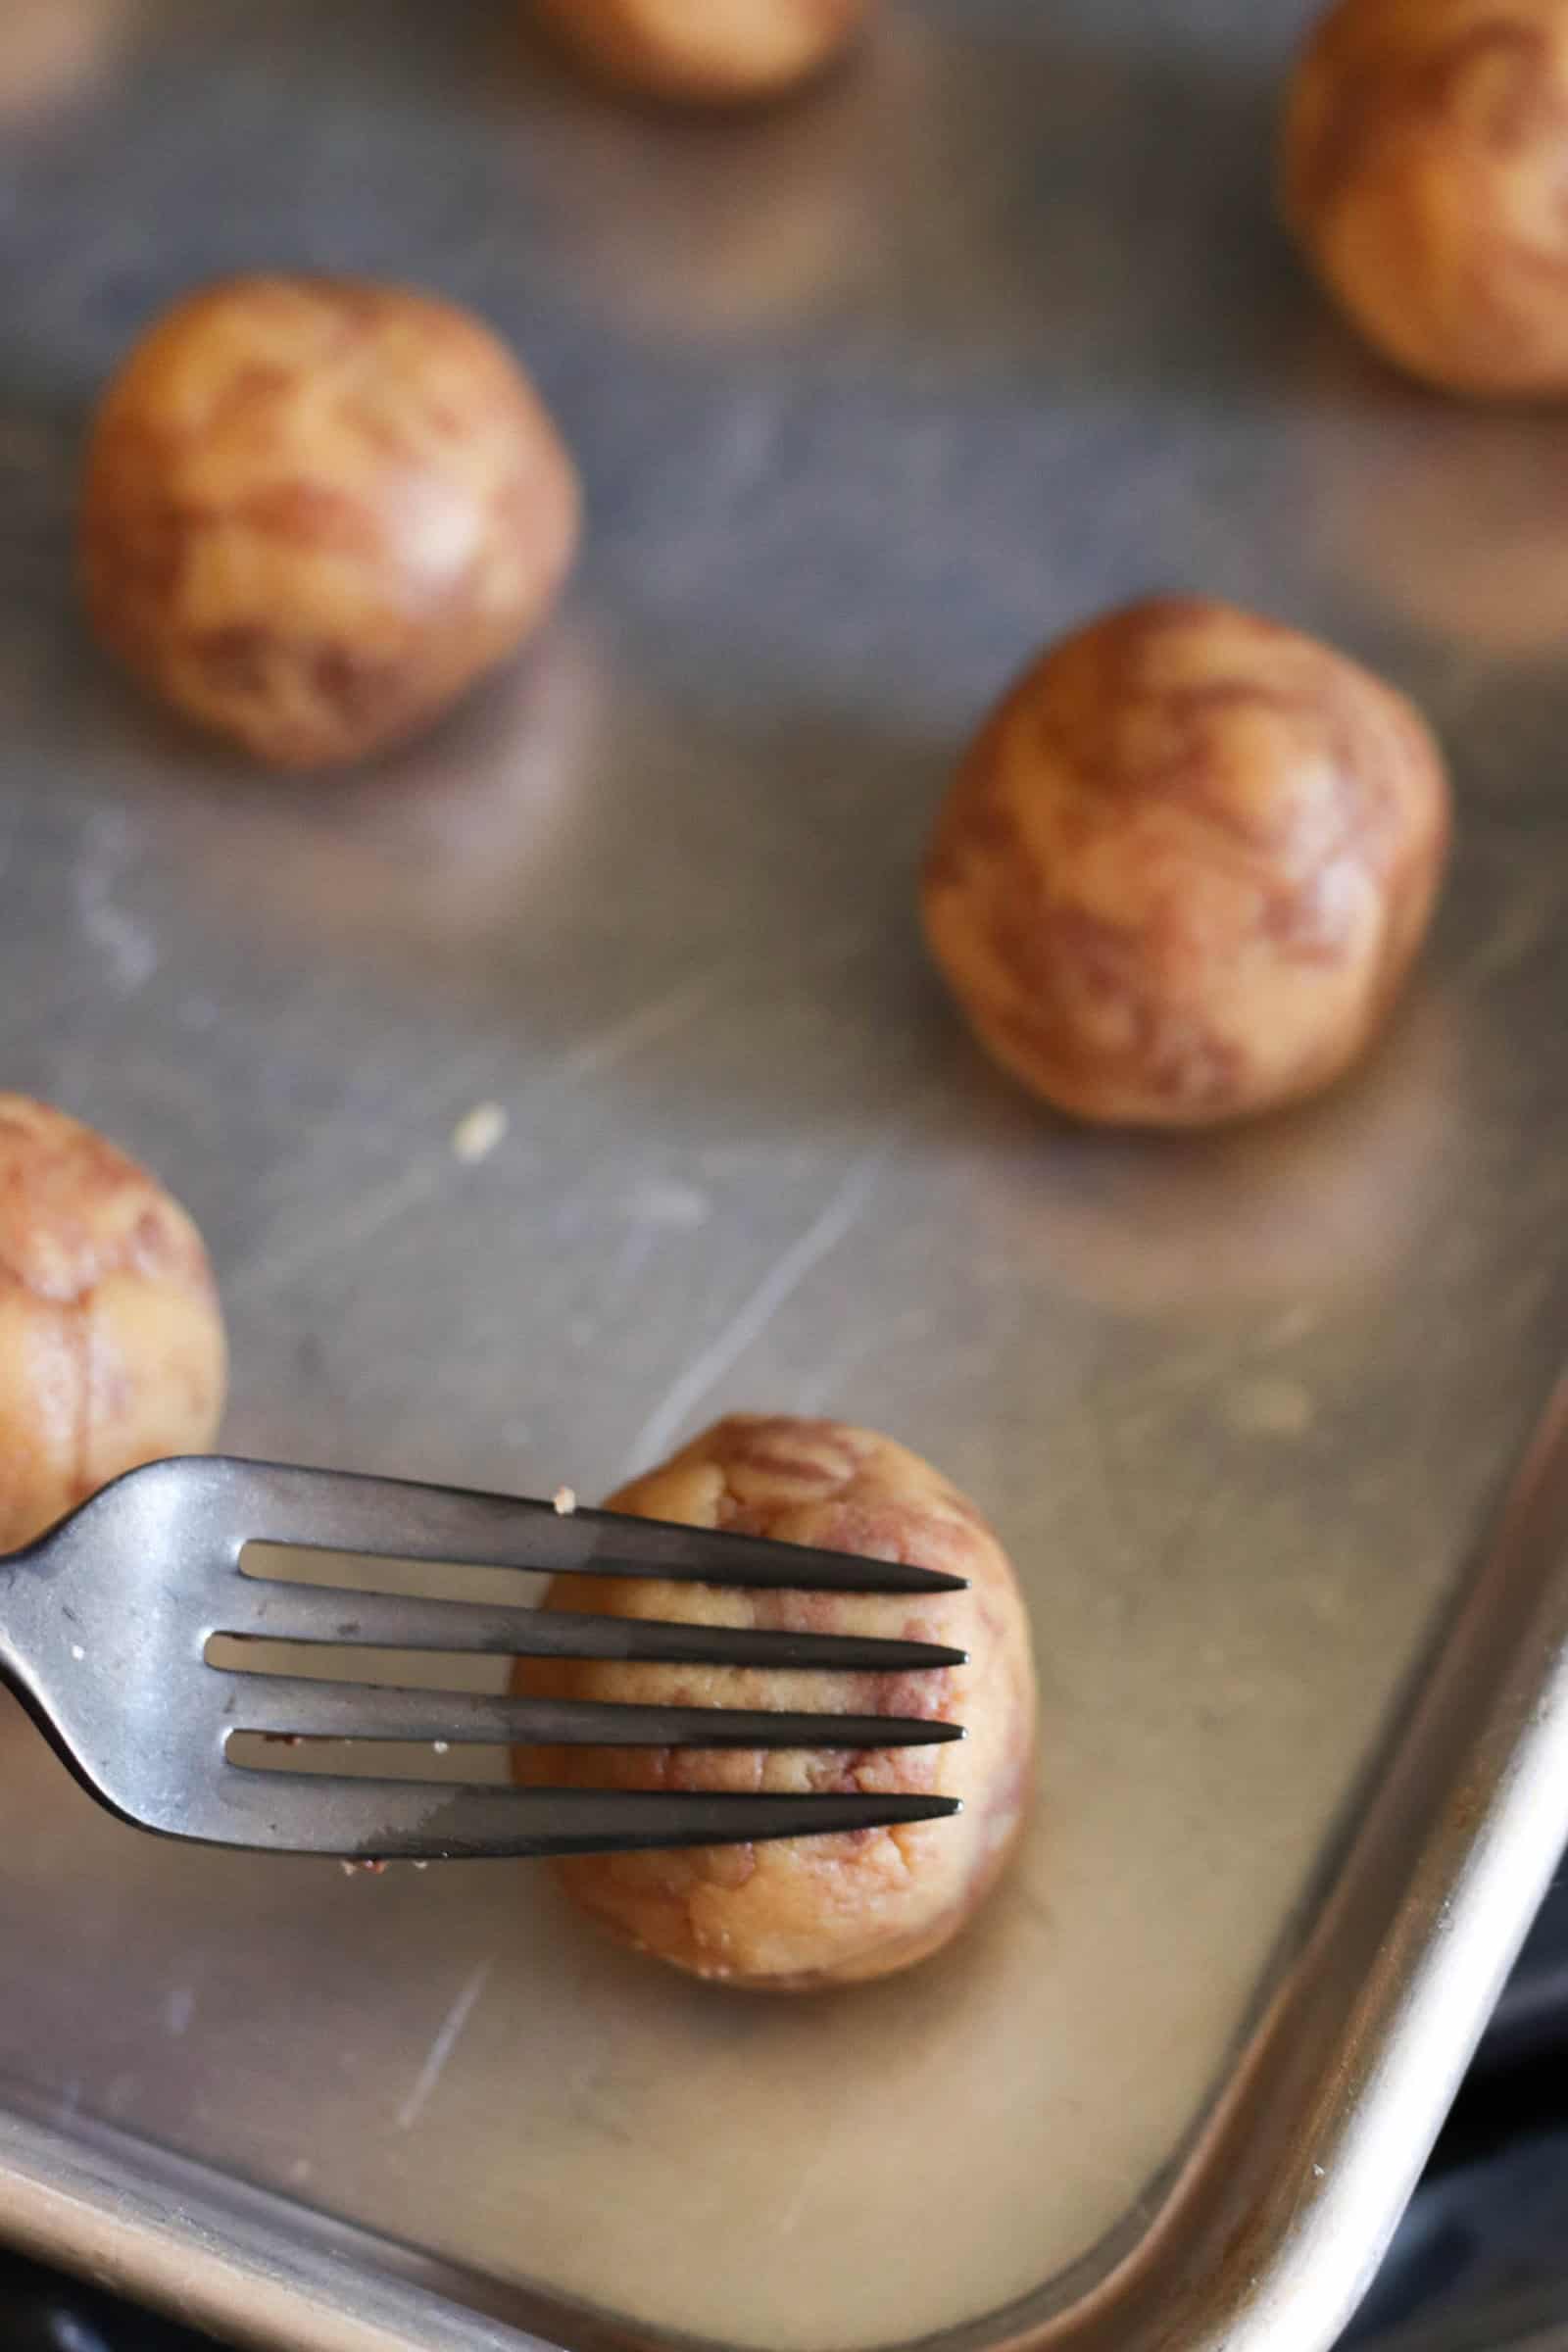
(716, 52)
(110, 1342)
(1185, 867)
(53, 52)
(316, 509)
(1424, 145)
(798, 1914)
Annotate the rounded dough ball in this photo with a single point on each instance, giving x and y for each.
(110, 1341)
(1422, 172)
(1185, 867)
(718, 51)
(316, 510)
(803, 1913)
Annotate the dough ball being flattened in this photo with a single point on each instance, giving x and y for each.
(803, 1913)
(718, 51)
(316, 510)
(1422, 172)
(1186, 865)
(110, 1341)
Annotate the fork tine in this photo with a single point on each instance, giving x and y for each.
(290, 1706)
(325, 1813)
(330, 1510)
(258, 1607)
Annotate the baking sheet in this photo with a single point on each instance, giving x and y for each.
(870, 396)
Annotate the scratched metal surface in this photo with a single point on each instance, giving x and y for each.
(870, 396)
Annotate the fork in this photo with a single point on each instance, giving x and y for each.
(106, 1620)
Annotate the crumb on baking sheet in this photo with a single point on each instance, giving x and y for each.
(373, 1870)
(477, 1133)
(564, 1499)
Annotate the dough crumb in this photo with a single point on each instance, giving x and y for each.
(564, 1499)
(476, 1135)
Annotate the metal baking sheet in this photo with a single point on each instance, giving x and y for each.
(871, 395)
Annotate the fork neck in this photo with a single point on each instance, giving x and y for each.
(30, 1604)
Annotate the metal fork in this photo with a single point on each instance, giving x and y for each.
(106, 1620)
